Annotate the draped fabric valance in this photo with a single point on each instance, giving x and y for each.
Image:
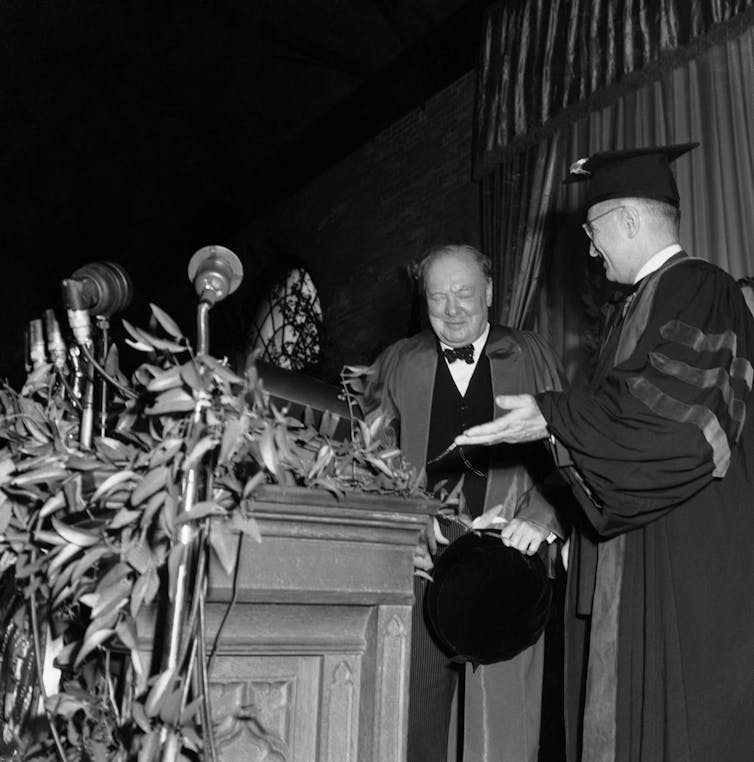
(544, 61)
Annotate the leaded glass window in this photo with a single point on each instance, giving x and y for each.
(288, 322)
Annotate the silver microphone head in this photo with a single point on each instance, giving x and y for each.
(215, 272)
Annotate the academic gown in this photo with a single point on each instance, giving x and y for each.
(502, 707)
(660, 582)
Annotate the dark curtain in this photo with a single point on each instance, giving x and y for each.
(530, 223)
(710, 100)
(544, 63)
(517, 197)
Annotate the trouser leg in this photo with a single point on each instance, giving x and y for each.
(433, 681)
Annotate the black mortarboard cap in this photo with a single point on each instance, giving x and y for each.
(634, 173)
(487, 602)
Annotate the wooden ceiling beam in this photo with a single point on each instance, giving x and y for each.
(321, 54)
(447, 53)
(408, 19)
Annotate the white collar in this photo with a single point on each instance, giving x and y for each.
(478, 344)
(656, 261)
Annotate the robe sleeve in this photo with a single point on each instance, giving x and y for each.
(664, 421)
(546, 501)
(380, 391)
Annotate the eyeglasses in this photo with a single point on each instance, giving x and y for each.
(587, 226)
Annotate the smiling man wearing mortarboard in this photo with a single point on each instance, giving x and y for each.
(660, 452)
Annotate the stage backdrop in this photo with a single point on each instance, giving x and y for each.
(531, 223)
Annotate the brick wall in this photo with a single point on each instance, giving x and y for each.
(359, 224)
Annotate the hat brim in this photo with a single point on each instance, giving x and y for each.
(487, 602)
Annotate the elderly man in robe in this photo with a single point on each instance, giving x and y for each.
(433, 386)
(660, 451)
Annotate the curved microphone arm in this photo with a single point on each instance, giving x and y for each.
(215, 272)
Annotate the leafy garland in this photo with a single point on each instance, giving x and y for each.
(93, 539)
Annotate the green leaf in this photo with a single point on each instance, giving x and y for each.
(144, 590)
(39, 475)
(112, 481)
(251, 485)
(309, 418)
(139, 346)
(166, 379)
(168, 324)
(165, 451)
(115, 574)
(234, 430)
(63, 658)
(153, 505)
(158, 690)
(203, 446)
(267, 448)
(190, 714)
(330, 485)
(248, 526)
(225, 545)
(172, 401)
(112, 449)
(379, 465)
(6, 511)
(139, 336)
(140, 718)
(170, 707)
(66, 554)
(74, 535)
(95, 640)
(112, 364)
(139, 557)
(164, 344)
(64, 705)
(123, 518)
(56, 502)
(88, 560)
(112, 598)
(153, 481)
(150, 747)
(222, 371)
(192, 377)
(199, 511)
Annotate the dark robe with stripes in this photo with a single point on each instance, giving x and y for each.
(661, 633)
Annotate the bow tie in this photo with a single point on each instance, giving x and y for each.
(461, 353)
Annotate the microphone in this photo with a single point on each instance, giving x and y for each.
(56, 347)
(99, 288)
(215, 272)
(36, 344)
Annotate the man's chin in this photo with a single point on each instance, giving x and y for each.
(456, 338)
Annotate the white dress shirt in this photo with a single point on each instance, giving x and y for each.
(463, 371)
(656, 261)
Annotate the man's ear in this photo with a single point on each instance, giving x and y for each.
(488, 293)
(631, 220)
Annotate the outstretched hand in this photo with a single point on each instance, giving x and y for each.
(523, 422)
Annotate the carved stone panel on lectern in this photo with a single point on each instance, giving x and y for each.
(265, 709)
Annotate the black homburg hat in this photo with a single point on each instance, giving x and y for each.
(487, 602)
(634, 173)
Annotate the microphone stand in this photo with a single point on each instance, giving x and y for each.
(100, 289)
(215, 272)
(103, 323)
(87, 409)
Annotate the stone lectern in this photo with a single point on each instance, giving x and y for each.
(312, 663)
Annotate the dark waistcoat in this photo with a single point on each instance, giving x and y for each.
(450, 415)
